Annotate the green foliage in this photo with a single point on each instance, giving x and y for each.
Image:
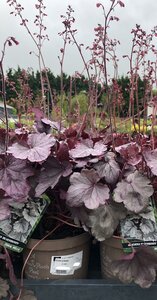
(13, 87)
(10, 123)
(124, 83)
(80, 103)
(77, 87)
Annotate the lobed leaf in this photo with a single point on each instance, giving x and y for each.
(130, 153)
(86, 189)
(104, 220)
(151, 160)
(110, 170)
(50, 175)
(55, 125)
(86, 148)
(13, 175)
(80, 216)
(139, 267)
(134, 191)
(37, 149)
(140, 183)
(4, 210)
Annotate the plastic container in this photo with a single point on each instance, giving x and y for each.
(58, 259)
(110, 250)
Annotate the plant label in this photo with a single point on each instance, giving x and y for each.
(66, 264)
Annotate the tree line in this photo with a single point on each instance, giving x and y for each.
(25, 86)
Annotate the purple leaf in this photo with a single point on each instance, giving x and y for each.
(37, 149)
(134, 191)
(2, 192)
(110, 170)
(39, 114)
(82, 149)
(80, 216)
(67, 168)
(53, 124)
(140, 183)
(4, 288)
(98, 149)
(50, 175)
(42, 127)
(63, 152)
(104, 220)
(151, 160)
(17, 189)
(80, 163)
(21, 131)
(45, 125)
(4, 211)
(13, 174)
(139, 267)
(86, 189)
(86, 148)
(130, 152)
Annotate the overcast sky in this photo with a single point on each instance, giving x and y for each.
(143, 12)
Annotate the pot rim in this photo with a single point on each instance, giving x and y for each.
(59, 244)
(112, 242)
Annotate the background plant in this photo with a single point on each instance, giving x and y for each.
(38, 38)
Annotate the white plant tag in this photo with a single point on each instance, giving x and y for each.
(67, 264)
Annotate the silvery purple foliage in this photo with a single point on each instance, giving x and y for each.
(13, 177)
(104, 220)
(86, 148)
(86, 188)
(37, 149)
(139, 267)
(150, 157)
(134, 191)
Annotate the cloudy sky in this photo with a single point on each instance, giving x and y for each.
(143, 12)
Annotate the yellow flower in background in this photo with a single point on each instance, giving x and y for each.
(142, 128)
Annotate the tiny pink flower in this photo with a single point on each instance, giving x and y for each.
(121, 3)
(98, 4)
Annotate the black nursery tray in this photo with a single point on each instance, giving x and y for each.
(89, 289)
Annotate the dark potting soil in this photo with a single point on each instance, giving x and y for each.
(60, 233)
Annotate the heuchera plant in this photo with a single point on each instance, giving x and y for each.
(100, 184)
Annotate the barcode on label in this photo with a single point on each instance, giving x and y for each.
(63, 272)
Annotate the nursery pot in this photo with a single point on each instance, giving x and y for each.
(110, 250)
(58, 259)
